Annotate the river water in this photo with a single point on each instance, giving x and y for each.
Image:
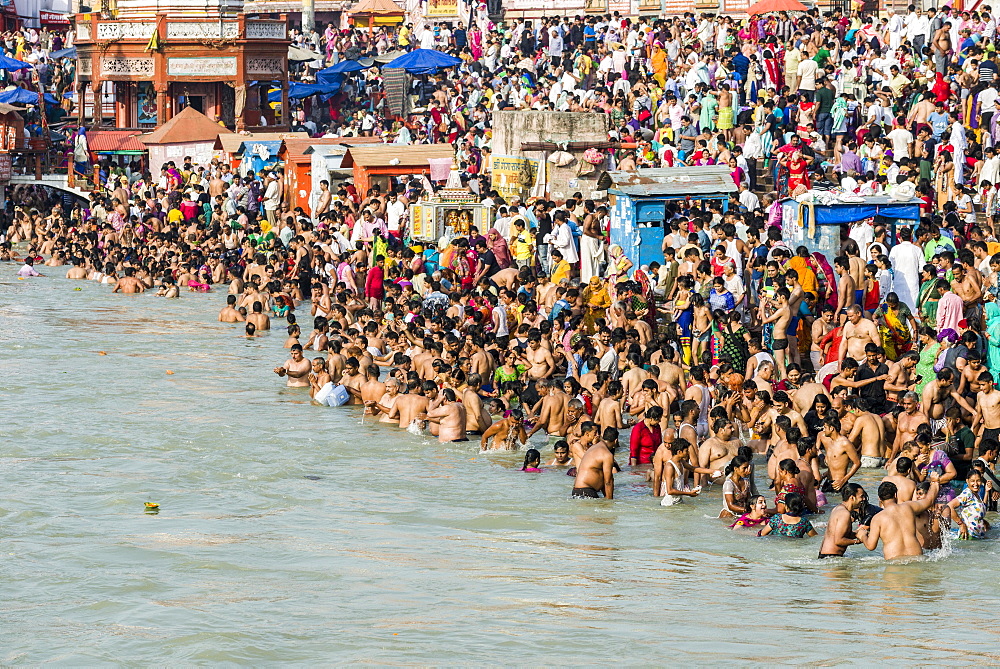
(403, 551)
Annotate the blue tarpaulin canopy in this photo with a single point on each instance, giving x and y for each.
(849, 212)
(328, 78)
(817, 226)
(297, 91)
(22, 96)
(345, 66)
(13, 64)
(423, 61)
(259, 147)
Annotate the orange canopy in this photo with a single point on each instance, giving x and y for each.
(370, 8)
(774, 6)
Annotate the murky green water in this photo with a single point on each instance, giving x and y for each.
(403, 552)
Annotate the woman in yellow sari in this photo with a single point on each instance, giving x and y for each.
(618, 268)
(596, 299)
(659, 64)
(801, 262)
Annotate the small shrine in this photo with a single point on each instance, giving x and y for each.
(451, 212)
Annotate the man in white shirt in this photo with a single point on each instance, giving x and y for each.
(990, 171)
(863, 233)
(499, 316)
(706, 30)
(286, 232)
(555, 45)
(987, 108)
(748, 199)
(983, 259)
(272, 198)
(394, 213)
(427, 37)
(896, 30)
(807, 76)
(901, 139)
(622, 86)
(562, 238)
(916, 29)
(907, 260)
(502, 223)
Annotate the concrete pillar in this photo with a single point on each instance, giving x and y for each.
(308, 16)
(95, 87)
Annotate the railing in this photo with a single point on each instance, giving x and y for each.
(82, 180)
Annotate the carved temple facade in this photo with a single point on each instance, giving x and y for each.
(153, 60)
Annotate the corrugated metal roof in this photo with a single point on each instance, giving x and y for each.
(104, 141)
(407, 154)
(650, 182)
(327, 150)
(876, 200)
(230, 143)
(299, 146)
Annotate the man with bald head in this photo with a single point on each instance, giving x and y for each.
(858, 333)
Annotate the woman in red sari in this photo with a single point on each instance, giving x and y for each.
(798, 170)
(941, 88)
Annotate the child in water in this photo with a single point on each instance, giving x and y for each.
(294, 332)
(969, 509)
(251, 330)
(531, 461)
(168, 288)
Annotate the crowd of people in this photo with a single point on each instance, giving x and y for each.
(735, 365)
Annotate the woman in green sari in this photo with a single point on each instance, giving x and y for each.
(929, 349)
(993, 337)
(927, 302)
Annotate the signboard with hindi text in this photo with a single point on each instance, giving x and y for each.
(513, 176)
(442, 8)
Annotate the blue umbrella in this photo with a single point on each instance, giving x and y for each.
(345, 66)
(12, 64)
(422, 61)
(64, 53)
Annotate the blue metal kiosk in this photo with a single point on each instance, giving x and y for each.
(256, 155)
(638, 203)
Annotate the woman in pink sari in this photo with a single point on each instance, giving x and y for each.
(498, 245)
(476, 42)
(330, 38)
